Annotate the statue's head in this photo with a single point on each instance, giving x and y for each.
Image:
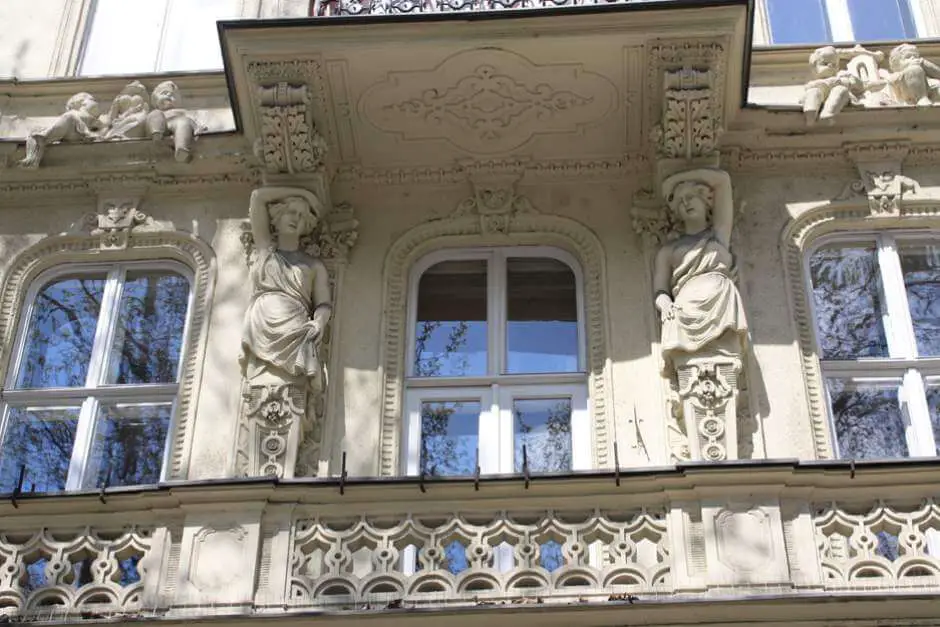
(83, 101)
(824, 61)
(133, 96)
(297, 214)
(688, 198)
(903, 56)
(166, 96)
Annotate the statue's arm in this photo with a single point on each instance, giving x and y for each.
(322, 300)
(931, 69)
(662, 276)
(259, 218)
(723, 212)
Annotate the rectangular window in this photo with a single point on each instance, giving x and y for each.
(135, 36)
(827, 21)
(876, 322)
(94, 380)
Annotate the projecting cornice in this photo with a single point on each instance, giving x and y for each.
(399, 100)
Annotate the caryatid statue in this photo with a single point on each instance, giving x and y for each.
(284, 324)
(704, 329)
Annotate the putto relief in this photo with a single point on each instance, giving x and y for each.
(133, 115)
(860, 77)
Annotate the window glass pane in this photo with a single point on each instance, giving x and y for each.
(124, 37)
(847, 294)
(868, 420)
(881, 19)
(542, 317)
(933, 402)
(61, 331)
(920, 264)
(149, 334)
(450, 335)
(798, 21)
(543, 426)
(449, 437)
(42, 440)
(192, 39)
(128, 445)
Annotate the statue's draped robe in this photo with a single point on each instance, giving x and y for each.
(275, 332)
(707, 301)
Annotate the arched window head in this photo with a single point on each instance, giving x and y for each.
(496, 374)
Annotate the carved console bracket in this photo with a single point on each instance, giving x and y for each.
(708, 395)
(880, 178)
(686, 84)
(289, 141)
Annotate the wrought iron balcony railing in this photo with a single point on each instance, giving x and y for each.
(326, 8)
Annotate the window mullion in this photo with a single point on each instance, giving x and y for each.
(840, 20)
(81, 449)
(920, 438)
(104, 333)
(496, 312)
(899, 328)
(161, 40)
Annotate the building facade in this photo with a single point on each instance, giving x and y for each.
(420, 312)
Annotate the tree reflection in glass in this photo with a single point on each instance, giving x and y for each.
(847, 295)
(920, 264)
(449, 438)
(149, 332)
(933, 404)
(128, 445)
(451, 332)
(868, 420)
(42, 441)
(61, 332)
(543, 426)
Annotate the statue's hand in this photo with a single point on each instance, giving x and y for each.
(314, 331)
(669, 312)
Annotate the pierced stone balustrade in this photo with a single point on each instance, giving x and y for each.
(742, 532)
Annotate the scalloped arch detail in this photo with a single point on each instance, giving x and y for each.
(466, 231)
(145, 245)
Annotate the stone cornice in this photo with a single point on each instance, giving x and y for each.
(190, 83)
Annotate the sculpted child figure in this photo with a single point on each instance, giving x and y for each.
(914, 80)
(168, 119)
(831, 89)
(699, 304)
(80, 122)
(290, 301)
(127, 118)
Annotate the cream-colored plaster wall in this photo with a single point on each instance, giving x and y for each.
(777, 389)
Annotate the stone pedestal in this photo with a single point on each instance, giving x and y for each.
(708, 395)
(272, 426)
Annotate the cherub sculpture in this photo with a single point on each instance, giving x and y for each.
(127, 118)
(80, 122)
(831, 89)
(167, 119)
(913, 79)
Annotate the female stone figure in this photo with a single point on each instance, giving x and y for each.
(290, 302)
(696, 296)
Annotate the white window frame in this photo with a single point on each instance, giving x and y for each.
(495, 391)
(96, 391)
(902, 368)
(840, 21)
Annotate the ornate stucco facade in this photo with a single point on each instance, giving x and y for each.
(682, 170)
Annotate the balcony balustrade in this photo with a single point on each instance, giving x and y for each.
(737, 532)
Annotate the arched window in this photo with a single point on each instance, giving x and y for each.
(876, 306)
(90, 395)
(496, 367)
